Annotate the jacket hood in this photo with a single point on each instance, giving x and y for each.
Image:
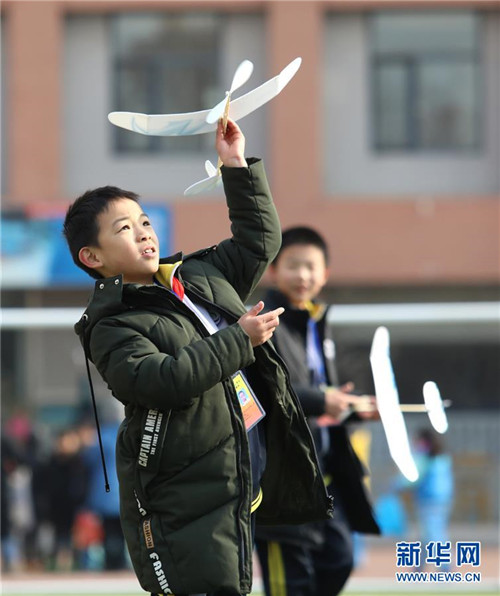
(107, 298)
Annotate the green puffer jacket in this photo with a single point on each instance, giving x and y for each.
(182, 450)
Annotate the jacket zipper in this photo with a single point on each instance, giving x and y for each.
(329, 498)
(237, 425)
(304, 424)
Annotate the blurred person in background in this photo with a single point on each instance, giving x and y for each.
(66, 480)
(106, 505)
(315, 559)
(9, 461)
(22, 450)
(432, 494)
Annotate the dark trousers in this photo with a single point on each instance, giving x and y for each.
(114, 544)
(303, 570)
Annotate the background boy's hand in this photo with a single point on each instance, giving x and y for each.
(340, 399)
(260, 328)
(230, 146)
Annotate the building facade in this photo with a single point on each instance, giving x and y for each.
(388, 135)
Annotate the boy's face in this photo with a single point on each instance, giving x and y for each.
(300, 273)
(127, 244)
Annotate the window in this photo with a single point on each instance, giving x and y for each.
(164, 63)
(425, 81)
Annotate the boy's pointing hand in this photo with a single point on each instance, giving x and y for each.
(258, 327)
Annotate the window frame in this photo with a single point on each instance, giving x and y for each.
(154, 145)
(414, 145)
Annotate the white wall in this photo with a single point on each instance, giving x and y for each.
(89, 158)
(352, 167)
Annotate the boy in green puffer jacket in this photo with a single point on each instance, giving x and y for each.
(212, 428)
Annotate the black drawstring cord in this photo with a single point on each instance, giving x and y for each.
(98, 427)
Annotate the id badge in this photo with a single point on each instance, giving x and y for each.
(251, 408)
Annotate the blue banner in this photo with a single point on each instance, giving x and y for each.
(34, 253)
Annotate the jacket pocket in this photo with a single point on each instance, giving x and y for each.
(157, 570)
(198, 559)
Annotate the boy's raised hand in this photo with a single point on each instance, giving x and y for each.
(258, 327)
(231, 145)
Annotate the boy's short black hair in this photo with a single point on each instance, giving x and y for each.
(305, 236)
(80, 224)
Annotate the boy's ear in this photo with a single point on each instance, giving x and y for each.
(327, 276)
(89, 258)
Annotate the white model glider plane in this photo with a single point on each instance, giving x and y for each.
(205, 121)
(389, 408)
(386, 393)
(433, 406)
